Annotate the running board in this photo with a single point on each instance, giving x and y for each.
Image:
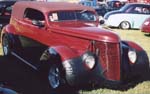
(23, 60)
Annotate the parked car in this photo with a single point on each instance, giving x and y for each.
(101, 8)
(5, 12)
(64, 43)
(130, 16)
(115, 4)
(146, 26)
(37, 31)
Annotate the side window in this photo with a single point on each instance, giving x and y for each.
(137, 10)
(146, 10)
(33, 14)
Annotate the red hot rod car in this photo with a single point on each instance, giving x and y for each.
(146, 26)
(64, 42)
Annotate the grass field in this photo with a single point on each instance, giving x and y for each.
(142, 87)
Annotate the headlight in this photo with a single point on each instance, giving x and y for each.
(146, 23)
(89, 61)
(132, 56)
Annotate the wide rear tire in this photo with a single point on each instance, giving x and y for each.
(6, 46)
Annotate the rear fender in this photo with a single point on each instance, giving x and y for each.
(8, 29)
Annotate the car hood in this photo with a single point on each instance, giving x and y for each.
(111, 13)
(88, 32)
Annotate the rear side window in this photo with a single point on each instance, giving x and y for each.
(33, 14)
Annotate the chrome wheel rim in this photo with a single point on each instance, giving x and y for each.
(54, 77)
(125, 25)
(5, 46)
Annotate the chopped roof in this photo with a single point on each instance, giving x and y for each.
(51, 6)
(45, 7)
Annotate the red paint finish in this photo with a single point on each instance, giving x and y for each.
(110, 59)
(71, 38)
(146, 26)
(134, 45)
(139, 1)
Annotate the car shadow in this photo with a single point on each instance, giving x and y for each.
(147, 34)
(123, 86)
(23, 79)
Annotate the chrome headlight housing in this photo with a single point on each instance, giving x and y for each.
(132, 56)
(89, 60)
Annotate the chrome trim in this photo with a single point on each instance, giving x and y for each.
(23, 60)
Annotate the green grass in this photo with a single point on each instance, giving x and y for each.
(136, 36)
(141, 88)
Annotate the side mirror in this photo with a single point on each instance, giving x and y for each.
(38, 23)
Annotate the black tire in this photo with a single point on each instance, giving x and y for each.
(6, 46)
(51, 70)
(54, 76)
(125, 25)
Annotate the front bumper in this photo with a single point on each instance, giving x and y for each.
(131, 72)
(77, 74)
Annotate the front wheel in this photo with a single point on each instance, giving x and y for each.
(54, 76)
(125, 25)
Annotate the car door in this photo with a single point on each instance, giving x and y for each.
(32, 35)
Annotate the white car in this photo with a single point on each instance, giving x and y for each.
(128, 17)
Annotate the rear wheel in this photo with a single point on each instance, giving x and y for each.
(6, 46)
(125, 25)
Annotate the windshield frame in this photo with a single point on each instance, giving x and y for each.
(55, 13)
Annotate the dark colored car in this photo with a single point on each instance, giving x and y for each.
(5, 12)
(102, 9)
(64, 43)
(146, 26)
(115, 4)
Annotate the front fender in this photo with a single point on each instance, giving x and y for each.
(140, 67)
(133, 45)
(65, 52)
(76, 72)
(61, 53)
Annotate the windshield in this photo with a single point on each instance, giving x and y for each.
(83, 15)
(125, 7)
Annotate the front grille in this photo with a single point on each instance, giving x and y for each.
(109, 57)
